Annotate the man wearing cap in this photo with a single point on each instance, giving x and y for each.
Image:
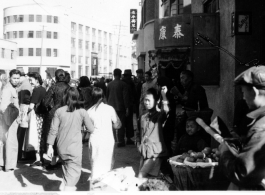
(117, 96)
(127, 78)
(244, 163)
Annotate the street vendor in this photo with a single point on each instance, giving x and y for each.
(244, 164)
(193, 99)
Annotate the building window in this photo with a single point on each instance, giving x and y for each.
(49, 19)
(14, 34)
(94, 32)
(79, 59)
(176, 7)
(15, 18)
(51, 71)
(87, 44)
(93, 46)
(7, 35)
(55, 19)
(48, 52)
(31, 18)
(55, 35)
(87, 68)
(20, 34)
(80, 42)
(55, 53)
(99, 48)
(73, 58)
(38, 51)
(4, 20)
(3, 53)
(87, 30)
(8, 19)
(38, 34)
(80, 28)
(73, 42)
(79, 71)
(73, 25)
(20, 18)
(20, 51)
(30, 51)
(110, 50)
(49, 35)
(87, 58)
(211, 6)
(34, 69)
(31, 34)
(39, 18)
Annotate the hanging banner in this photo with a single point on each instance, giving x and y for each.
(133, 20)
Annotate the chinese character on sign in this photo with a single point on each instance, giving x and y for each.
(162, 33)
(177, 32)
(133, 20)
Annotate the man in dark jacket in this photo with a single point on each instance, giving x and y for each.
(118, 97)
(127, 78)
(244, 163)
(140, 82)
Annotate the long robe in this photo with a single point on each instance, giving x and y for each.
(101, 142)
(8, 135)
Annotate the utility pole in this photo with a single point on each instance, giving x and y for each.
(42, 35)
(117, 57)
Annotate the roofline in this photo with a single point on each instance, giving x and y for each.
(23, 5)
(9, 41)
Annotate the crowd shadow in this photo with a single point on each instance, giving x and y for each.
(48, 179)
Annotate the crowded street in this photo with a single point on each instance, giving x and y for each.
(132, 95)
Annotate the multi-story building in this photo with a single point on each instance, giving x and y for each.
(8, 56)
(48, 38)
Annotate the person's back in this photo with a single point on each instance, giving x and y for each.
(116, 92)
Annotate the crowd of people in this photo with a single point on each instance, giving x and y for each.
(49, 118)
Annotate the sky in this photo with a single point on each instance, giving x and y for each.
(113, 12)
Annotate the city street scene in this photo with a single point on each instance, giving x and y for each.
(132, 95)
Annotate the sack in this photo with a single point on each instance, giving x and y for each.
(31, 141)
(40, 108)
(10, 114)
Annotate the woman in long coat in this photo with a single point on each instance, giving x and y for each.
(101, 142)
(66, 130)
(8, 132)
(54, 97)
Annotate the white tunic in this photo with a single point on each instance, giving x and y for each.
(101, 142)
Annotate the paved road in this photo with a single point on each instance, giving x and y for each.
(26, 178)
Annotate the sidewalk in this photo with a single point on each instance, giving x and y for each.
(26, 178)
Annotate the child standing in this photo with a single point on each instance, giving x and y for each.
(150, 139)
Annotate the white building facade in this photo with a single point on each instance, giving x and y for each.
(8, 56)
(48, 39)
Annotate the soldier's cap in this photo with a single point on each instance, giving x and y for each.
(254, 76)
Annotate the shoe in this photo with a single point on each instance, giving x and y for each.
(129, 142)
(121, 144)
(36, 164)
(7, 170)
(51, 167)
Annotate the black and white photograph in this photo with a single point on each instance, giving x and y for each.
(125, 96)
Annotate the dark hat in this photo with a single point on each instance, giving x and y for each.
(203, 114)
(140, 71)
(252, 76)
(127, 72)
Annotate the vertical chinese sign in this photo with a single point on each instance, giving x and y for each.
(133, 20)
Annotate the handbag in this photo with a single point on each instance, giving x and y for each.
(31, 142)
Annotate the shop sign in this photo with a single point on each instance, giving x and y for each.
(133, 20)
(173, 31)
